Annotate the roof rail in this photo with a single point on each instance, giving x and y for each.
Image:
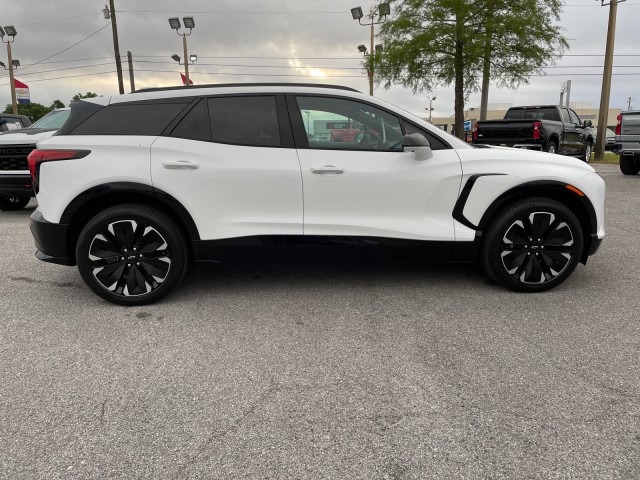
(228, 85)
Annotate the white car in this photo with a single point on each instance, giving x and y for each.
(136, 186)
(15, 146)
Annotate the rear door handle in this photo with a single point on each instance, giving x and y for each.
(180, 165)
(327, 169)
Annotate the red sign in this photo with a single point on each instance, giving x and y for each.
(184, 79)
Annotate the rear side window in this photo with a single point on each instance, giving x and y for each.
(195, 124)
(250, 121)
(533, 114)
(130, 119)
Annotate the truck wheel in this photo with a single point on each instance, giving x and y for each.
(552, 147)
(13, 202)
(588, 148)
(532, 245)
(629, 165)
(131, 254)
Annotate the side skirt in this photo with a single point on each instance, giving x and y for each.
(330, 249)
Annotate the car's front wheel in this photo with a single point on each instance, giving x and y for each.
(532, 245)
(131, 254)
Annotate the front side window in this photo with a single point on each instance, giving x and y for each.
(574, 117)
(247, 120)
(565, 115)
(336, 123)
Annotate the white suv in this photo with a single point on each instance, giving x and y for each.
(134, 187)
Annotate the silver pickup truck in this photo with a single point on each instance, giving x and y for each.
(628, 142)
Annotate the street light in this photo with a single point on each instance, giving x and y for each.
(384, 10)
(189, 22)
(10, 31)
(192, 59)
(431, 99)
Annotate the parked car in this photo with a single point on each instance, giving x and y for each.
(15, 145)
(9, 121)
(627, 144)
(611, 140)
(135, 186)
(549, 128)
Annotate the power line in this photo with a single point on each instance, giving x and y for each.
(68, 48)
(59, 19)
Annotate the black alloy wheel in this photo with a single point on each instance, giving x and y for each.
(533, 245)
(131, 255)
(13, 202)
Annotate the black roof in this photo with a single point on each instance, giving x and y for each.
(227, 85)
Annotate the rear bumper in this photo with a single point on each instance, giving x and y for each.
(16, 184)
(51, 240)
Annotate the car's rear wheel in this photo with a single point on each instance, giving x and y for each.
(552, 147)
(131, 254)
(532, 245)
(630, 165)
(13, 202)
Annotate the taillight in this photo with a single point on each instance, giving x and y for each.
(536, 130)
(36, 157)
(619, 125)
(475, 131)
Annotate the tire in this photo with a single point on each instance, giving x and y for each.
(630, 165)
(532, 245)
(13, 202)
(552, 147)
(586, 155)
(131, 254)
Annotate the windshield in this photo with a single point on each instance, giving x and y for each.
(53, 119)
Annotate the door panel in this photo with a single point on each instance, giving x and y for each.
(231, 190)
(371, 188)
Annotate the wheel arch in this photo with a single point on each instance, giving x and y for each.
(87, 204)
(581, 206)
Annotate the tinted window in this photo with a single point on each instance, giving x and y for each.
(251, 121)
(565, 115)
(436, 143)
(337, 123)
(130, 119)
(533, 114)
(195, 124)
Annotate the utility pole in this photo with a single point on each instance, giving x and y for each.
(12, 80)
(132, 82)
(605, 96)
(116, 47)
(629, 104)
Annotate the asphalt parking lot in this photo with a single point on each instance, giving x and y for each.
(325, 371)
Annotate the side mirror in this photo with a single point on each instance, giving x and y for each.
(588, 123)
(418, 144)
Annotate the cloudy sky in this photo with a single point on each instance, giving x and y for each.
(65, 47)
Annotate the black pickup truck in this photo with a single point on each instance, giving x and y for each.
(549, 128)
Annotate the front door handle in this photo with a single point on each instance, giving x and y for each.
(327, 169)
(180, 165)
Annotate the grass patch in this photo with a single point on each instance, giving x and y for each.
(609, 159)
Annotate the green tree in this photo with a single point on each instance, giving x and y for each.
(442, 42)
(56, 104)
(79, 96)
(33, 111)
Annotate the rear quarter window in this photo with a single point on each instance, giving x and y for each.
(130, 119)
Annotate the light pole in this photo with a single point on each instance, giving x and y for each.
(189, 23)
(192, 59)
(383, 11)
(10, 31)
(431, 99)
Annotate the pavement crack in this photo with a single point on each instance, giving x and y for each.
(262, 398)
